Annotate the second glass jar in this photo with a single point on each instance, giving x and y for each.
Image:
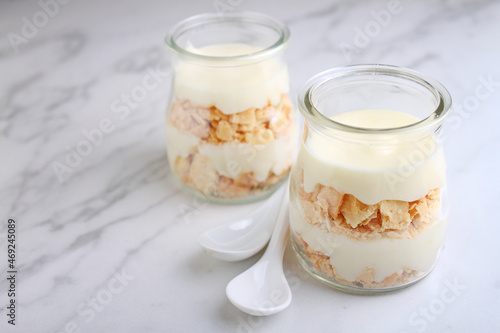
(231, 129)
(368, 204)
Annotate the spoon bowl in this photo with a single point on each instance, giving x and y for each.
(244, 238)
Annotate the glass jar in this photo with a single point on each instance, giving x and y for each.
(368, 203)
(230, 130)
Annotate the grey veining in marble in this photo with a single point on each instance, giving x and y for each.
(109, 244)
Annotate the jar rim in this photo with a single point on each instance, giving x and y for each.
(434, 120)
(251, 17)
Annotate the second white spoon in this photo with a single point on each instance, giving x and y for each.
(263, 290)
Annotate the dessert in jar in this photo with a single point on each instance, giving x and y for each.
(368, 206)
(230, 126)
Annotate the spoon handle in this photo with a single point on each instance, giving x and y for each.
(277, 244)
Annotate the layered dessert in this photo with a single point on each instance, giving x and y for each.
(368, 216)
(230, 127)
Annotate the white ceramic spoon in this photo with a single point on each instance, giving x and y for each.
(262, 289)
(242, 239)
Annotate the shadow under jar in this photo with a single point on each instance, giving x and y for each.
(368, 208)
(230, 125)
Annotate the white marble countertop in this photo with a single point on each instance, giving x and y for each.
(110, 245)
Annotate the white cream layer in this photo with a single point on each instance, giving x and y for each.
(386, 256)
(231, 159)
(372, 173)
(229, 87)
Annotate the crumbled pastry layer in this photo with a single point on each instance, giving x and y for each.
(198, 171)
(252, 126)
(344, 214)
(366, 279)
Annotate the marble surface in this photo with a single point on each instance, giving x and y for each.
(110, 243)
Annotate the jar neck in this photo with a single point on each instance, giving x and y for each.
(374, 88)
(228, 39)
(228, 63)
(392, 138)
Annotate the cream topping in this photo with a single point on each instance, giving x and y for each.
(396, 170)
(231, 88)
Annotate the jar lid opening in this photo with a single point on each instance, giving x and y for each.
(269, 36)
(327, 92)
